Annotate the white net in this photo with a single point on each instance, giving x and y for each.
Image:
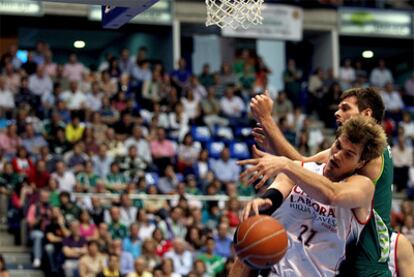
(234, 13)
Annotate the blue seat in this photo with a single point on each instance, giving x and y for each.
(201, 133)
(239, 150)
(214, 149)
(224, 133)
(244, 132)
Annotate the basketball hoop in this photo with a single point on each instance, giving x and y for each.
(234, 13)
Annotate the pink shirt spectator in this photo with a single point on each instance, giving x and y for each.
(87, 231)
(51, 69)
(73, 71)
(161, 149)
(9, 144)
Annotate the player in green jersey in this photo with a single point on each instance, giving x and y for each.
(369, 257)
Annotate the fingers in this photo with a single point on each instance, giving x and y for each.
(246, 211)
(247, 172)
(248, 161)
(262, 182)
(255, 208)
(257, 152)
(267, 93)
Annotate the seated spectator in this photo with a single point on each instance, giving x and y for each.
(210, 108)
(380, 75)
(233, 210)
(132, 165)
(140, 266)
(149, 253)
(232, 106)
(132, 244)
(173, 226)
(155, 206)
(140, 143)
(74, 247)
(87, 228)
(108, 113)
(187, 155)
(102, 161)
(178, 121)
(120, 102)
(392, 102)
(73, 70)
(38, 217)
(40, 83)
(104, 238)
(162, 150)
(128, 211)
(25, 96)
(201, 167)
(163, 245)
(115, 227)
(76, 158)
(282, 107)
(6, 99)
(9, 140)
(402, 156)
(32, 141)
(11, 78)
(408, 228)
(93, 262)
(225, 169)
(214, 263)
(146, 226)
(408, 125)
(74, 130)
(206, 78)
(55, 232)
(52, 125)
(87, 178)
(107, 85)
(115, 180)
(124, 126)
(126, 261)
(194, 238)
(112, 269)
(74, 98)
(69, 208)
(191, 105)
(59, 145)
(181, 76)
(40, 175)
(182, 258)
(347, 75)
(409, 90)
(94, 98)
(65, 178)
(168, 183)
(22, 163)
(223, 241)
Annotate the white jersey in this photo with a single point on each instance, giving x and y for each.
(393, 262)
(317, 234)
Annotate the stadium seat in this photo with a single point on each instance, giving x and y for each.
(201, 133)
(243, 132)
(224, 133)
(152, 178)
(239, 150)
(214, 149)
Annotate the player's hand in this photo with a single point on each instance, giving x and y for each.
(264, 167)
(261, 139)
(255, 206)
(261, 106)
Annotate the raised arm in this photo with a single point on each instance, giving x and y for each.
(261, 107)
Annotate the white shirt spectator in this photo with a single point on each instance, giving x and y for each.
(392, 101)
(94, 101)
(6, 99)
(347, 74)
(74, 100)
(142, 146)
(182, 263)
(128, 215)
(379, 77)
(190, 107)
(66, 181)
(232, 107)
(402, 157)
(145, 231)
(408, 128)
(40, 85)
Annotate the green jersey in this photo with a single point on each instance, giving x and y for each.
(369, 257)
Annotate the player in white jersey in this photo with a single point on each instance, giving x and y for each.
(321, 206)
(401, 262)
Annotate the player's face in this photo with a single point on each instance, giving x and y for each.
(346, 109)
(344, 159)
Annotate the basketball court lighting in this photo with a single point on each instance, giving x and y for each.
(79, 44)
(367, 54)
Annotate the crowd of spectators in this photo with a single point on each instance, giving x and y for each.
(131, 127)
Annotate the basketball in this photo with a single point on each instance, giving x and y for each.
(260, 241)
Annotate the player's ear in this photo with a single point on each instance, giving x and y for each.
(367, 112)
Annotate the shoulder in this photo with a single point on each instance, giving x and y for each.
(373, 169)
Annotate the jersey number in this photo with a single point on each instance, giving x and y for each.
(304, 229)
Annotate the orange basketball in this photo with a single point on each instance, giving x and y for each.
(260, 241)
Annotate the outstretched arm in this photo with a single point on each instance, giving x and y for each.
(405, 257)
(355, 192)
(261, 106)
